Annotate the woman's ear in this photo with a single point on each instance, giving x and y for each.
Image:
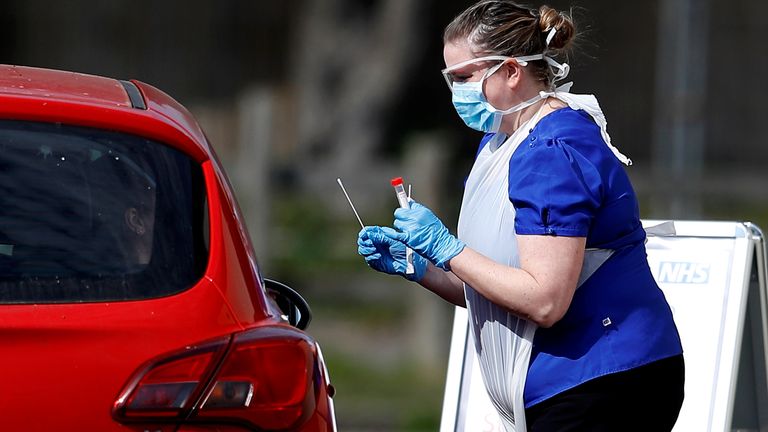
(134, 221)
(513, 72)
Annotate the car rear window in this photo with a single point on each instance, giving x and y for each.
(88, 215)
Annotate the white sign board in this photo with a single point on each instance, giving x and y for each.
(707, 272)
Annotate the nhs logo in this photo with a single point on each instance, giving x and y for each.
(678, 272)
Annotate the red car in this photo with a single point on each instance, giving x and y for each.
(130, 297)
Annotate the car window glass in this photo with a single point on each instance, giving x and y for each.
(92, 215)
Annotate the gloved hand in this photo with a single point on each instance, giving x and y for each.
(387, 255)
(423, 232)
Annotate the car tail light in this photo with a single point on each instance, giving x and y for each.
(264, 378)
(168, 387)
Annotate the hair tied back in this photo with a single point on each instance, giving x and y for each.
(558, 27)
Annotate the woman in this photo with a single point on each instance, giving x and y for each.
(570, 328)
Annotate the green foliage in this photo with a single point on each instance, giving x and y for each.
(398, 398)
(305, 239)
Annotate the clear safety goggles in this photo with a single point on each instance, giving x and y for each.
(451, 78)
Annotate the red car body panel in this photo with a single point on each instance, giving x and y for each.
(64, 365)
(60, 85)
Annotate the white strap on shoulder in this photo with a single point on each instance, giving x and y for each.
(589, 104)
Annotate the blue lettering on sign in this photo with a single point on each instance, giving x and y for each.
(683, 272)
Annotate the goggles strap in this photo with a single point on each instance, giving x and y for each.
(551, 35)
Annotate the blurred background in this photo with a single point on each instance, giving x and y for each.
(295, 93)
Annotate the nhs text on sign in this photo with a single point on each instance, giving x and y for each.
(679, 272)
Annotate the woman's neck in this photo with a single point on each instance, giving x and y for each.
(543, 107)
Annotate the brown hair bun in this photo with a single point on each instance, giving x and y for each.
(550, 18)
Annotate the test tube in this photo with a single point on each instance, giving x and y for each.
(402, 199)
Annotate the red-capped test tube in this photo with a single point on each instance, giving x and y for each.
(402, 199)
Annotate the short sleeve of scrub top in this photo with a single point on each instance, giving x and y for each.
(555, 189)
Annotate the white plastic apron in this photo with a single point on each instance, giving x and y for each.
(487, 224)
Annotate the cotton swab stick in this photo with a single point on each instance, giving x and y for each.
(350, 202)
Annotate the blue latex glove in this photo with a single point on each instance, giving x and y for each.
(384, 253)
(423, 232)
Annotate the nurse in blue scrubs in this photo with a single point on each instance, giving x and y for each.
(571, 330)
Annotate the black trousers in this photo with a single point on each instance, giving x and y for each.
(647, 398)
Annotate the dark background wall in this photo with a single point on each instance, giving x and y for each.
(201, 50)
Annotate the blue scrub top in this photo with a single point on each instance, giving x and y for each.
(565, 181)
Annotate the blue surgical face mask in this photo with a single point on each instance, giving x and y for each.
(469, 99)
(472, 106)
